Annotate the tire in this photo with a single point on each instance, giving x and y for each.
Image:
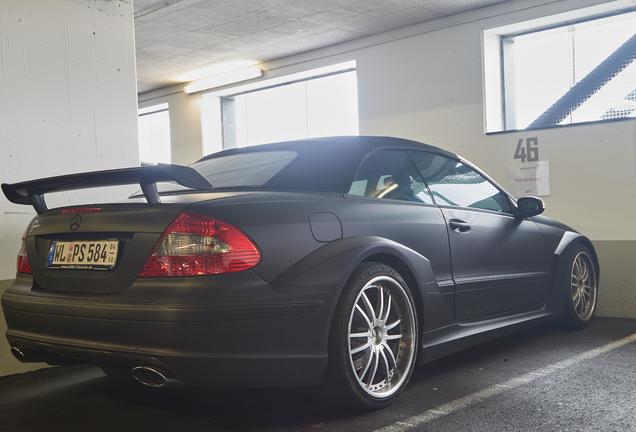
(578, 278)
(373, 340)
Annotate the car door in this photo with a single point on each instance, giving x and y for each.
(392, 201)
(497, 260)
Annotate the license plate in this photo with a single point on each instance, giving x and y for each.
(83, 255)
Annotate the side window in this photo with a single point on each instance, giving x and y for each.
(455, 184)
(390, 174)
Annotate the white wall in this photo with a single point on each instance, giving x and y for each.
(425, 83)
(429, 88)
(68, 97)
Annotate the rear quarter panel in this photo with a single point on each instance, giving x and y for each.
(415, 234)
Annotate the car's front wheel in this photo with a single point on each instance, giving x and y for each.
(580, 280)
(373, 339)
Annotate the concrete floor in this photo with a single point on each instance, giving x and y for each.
(588, 393)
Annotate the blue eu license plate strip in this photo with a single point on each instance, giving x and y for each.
(49, 257)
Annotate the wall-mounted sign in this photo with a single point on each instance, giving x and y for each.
(530, 178)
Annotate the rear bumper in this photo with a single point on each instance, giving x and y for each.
(244, 334)
(230, 371)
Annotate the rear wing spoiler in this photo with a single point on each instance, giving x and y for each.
(32, 192)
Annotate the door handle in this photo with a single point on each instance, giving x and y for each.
(458, 225)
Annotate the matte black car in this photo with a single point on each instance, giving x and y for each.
(336, 263)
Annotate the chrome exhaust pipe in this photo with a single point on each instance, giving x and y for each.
(149, 376)
(17, 353)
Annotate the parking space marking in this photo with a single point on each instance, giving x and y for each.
(497, 389)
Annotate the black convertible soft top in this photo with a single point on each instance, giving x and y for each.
(328, 147)
(326, 164)
(322, 164)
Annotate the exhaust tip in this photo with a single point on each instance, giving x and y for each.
(149, 376)
(17, 353)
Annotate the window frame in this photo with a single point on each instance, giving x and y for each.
(504, 106)
(571, 22)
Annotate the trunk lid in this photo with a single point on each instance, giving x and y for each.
(135, 225)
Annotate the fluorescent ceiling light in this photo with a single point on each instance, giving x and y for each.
(224, 79)
(286, 79)
(152, 109)
(213, 69)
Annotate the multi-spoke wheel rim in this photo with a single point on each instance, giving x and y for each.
(382, 336)
(583, 286)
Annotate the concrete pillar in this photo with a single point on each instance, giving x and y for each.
(68, 102)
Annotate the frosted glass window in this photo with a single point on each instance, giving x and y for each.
(325, 106)
(571, 74)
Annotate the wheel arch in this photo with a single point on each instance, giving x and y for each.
(332, 265)
(571, 239)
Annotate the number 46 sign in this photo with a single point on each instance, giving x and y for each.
(528, 152)
(528, 176)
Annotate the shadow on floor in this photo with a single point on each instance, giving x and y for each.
(77, 398)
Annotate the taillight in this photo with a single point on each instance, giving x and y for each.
(24, 266)
(195, 245)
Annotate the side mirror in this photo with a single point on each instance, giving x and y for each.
(529, 206)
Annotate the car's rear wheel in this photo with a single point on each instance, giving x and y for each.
(580, 279)
(373, 340)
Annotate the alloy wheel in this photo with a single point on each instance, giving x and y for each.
(583, 286)
(382, 336)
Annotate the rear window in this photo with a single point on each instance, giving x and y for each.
(325, 167)
(244, 169)
(235, 171)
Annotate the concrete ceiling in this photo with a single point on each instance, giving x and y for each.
(175, 38)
